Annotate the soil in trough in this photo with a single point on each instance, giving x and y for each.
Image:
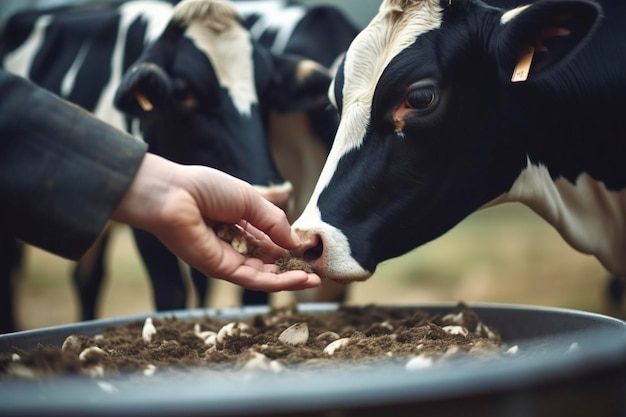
(280, 340)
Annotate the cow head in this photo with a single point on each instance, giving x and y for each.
(202, 90)
(422, 94)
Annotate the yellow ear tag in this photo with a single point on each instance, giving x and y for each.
(520, 73)
(143, 101)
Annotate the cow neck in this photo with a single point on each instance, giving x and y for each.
(573, 177)
(590, 217)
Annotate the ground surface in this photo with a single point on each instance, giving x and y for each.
(279, 341)
(503, 255)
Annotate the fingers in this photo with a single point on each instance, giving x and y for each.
(255, 275)
(187, 214)
(218, 259)
(231, 200)
(270, 219)
(261, 245)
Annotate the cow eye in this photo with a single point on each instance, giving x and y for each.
(183, 94)
(421, 97)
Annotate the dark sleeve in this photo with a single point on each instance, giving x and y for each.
(62, 171)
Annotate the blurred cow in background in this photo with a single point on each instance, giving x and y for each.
(75, 52)
(197, 89)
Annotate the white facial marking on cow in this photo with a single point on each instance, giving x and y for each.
(226, 43)
(590, 225)
(335, 65)
(388, 34)
(20, 61)
(392, 30)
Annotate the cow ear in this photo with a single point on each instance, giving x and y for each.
(298, 84)
(144, 88)
(537, 39)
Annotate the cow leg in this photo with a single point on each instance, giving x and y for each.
(251, 297)
(10, 265)
(88, 276)
(164, 271)
(201, 285)
(615, 290)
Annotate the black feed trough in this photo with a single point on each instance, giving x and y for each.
(574, 365)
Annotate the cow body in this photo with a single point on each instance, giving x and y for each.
(210, 91)
(80, 52)
(204, 77)
(433, 128)
(321, 33)
(295, 86)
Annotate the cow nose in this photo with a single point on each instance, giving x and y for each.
(311, 251)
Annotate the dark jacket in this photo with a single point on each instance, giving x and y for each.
(62, 171)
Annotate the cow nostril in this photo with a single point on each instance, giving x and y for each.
(313, 253)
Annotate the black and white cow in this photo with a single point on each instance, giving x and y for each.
(98, 43)
(290, 89)
(452, 106)
(322, 33)
(209, 86)
(299, 155)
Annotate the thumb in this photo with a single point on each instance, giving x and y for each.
(270, 219)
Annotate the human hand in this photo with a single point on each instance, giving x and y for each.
(182, 204)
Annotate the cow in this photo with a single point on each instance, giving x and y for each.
(139, 24)
(300, 158)
(185, 86)
(323, 34)
(452, 106)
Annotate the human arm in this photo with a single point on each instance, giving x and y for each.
(64, 173)
(181, 205)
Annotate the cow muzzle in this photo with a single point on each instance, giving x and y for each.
(327, 250)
